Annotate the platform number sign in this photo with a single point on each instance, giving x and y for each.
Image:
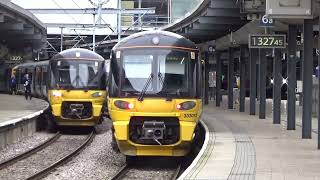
(266, 21)
(267, 41)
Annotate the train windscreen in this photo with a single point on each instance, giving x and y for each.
(158, 72)
(76, 74)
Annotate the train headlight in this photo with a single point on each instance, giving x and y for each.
(155, 40)
(97, 94)
(123, 104)
(186, 105)
(56, 93)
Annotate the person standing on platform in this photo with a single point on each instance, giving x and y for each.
(236, 86)
(27, 87)
(212, 84)
(13, 85)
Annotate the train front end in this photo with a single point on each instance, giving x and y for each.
(77, 87)
(154, 94)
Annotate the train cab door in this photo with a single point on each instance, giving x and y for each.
(44, 78)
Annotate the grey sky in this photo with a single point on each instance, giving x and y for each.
(69, 18)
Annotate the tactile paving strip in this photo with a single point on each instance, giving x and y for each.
(245, 159)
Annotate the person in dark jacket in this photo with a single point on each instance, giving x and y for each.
(13, 85)
(27, 87)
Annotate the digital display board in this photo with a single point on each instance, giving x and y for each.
(267, 41)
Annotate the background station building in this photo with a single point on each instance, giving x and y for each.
(252, 131)
(22, 36)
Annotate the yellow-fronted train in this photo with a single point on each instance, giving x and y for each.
(73, 82)
(154, 95)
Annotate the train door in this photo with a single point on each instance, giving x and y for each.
(44, 81)
(40, 82)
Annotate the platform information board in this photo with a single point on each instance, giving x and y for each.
(267, 41)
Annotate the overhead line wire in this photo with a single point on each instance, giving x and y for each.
(66, 12)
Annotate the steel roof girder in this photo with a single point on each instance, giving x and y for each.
(218, 27)
(28, 30)
(93, 11)
(36, 36)
(73, 25)
(7, 15)
(1, 18)
(220, 20)
(12, 26)
(204, 32)
(223, 12)
(218, 4)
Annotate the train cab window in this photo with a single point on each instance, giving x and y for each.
(67, 75)
(78, 75)
(159, 72)
(135, 80)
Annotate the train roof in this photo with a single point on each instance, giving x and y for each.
(78, 54)
(162, 39)
(32, 64)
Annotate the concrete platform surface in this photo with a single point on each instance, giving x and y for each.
(240, 146)
(14, 108)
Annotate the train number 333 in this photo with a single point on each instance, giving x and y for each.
(190, 115)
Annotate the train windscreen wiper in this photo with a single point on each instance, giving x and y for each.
(160, 76)
(145, 87)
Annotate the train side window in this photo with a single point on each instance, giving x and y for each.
(30, 75)
(22, 76)
(18, 76)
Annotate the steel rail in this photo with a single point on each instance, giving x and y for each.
(29, 152)
(176, 173)
(121, 172)
(63, 160)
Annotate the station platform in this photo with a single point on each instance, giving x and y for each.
(240, 146)
(18, 117)
(14, 108)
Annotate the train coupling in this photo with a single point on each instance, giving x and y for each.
(153, 130)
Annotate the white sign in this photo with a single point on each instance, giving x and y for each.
(15, 58)
(299, 86)
(266, 21)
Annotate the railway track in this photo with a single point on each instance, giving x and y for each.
(176, 172)
(123, 172)
(29, 152)
(163, 169)
(43, 159)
